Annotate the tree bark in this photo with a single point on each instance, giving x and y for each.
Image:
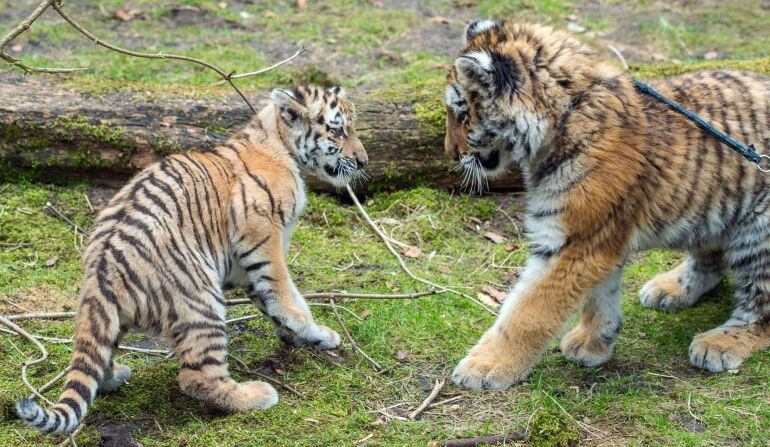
(57, 132)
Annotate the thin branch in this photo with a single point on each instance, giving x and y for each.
(357, 348)
(44, 316)
(333, 295)
(247, 370)
(20, 28)
(481, 440)
(266, 69)
(401, 262)
(27, 363)
(431, 397)
(59, 215)
(228, 77)
(622, 59)
(57, 6)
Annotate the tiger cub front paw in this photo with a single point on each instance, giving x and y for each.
(316, 336)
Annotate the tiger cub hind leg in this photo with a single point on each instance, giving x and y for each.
(747, 331)
(114, 378)
(685, 284)
(202, 352)
(592, 341)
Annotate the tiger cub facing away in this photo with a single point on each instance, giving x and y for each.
(609, 172)
(169, 242)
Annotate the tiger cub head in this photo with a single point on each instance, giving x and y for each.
(320, 127)
(506, 92)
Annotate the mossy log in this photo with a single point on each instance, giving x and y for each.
(57, 132)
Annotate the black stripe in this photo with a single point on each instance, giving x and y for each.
(83, 391)
(72, 403)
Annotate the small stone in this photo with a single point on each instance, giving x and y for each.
(576, 28)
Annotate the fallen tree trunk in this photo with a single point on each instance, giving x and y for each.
(58, 132)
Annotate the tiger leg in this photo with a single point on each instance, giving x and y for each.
(591, 342)
(683, 286)
(747, 331)
(115, 375)
(273, 292)
(202, 350)
(550, 289)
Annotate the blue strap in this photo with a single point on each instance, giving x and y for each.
(749, 153)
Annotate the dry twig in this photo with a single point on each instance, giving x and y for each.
(59, 215)
(333, 295)
(386, 239)
(431, 397)
(245, 368)
(57, 6)
(27, 363)
(357, 348)
(479, 440)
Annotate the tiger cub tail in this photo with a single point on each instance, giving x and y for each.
(97, 332)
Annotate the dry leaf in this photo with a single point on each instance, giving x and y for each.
(486, 299)
(497, 294)
(365, 313)
(16, 48)
(711, 55)
(222, 5)
(126, 15)
(444, 269)
(301, 4)
(378, 4)
(52, 261)
(403, 355)
(511, 247)
(494, 237)
(280, 372)
(270, 15)
(440, 20)
(412, 252)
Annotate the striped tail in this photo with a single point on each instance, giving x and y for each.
(96, 333)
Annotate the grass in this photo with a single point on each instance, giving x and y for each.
(640, 397)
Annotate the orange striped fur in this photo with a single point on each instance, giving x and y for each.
(610, 172)
(176, 236)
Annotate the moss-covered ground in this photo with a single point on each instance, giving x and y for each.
(648, 394)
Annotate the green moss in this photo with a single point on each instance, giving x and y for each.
(551, 428)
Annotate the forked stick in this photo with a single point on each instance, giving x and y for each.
(57, 6)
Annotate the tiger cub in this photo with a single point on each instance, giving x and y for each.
(609, 172)
(163, 250)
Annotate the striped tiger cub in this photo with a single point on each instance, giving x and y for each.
(167, 245)
(610, 171)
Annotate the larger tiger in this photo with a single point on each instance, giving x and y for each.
(167, 244)
(610, 171)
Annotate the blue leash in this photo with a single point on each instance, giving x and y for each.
(749, 153)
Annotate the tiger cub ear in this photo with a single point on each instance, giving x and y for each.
(290, 101)
(478, 27)
(475, 70)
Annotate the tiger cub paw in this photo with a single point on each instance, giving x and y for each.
(719, 350)
(320, 337)
(587, 347)
(117, 378)
(665, 293)
(485, 368)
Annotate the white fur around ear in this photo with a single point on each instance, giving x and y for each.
(474, 69)
(478, 27)
(287, 100)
